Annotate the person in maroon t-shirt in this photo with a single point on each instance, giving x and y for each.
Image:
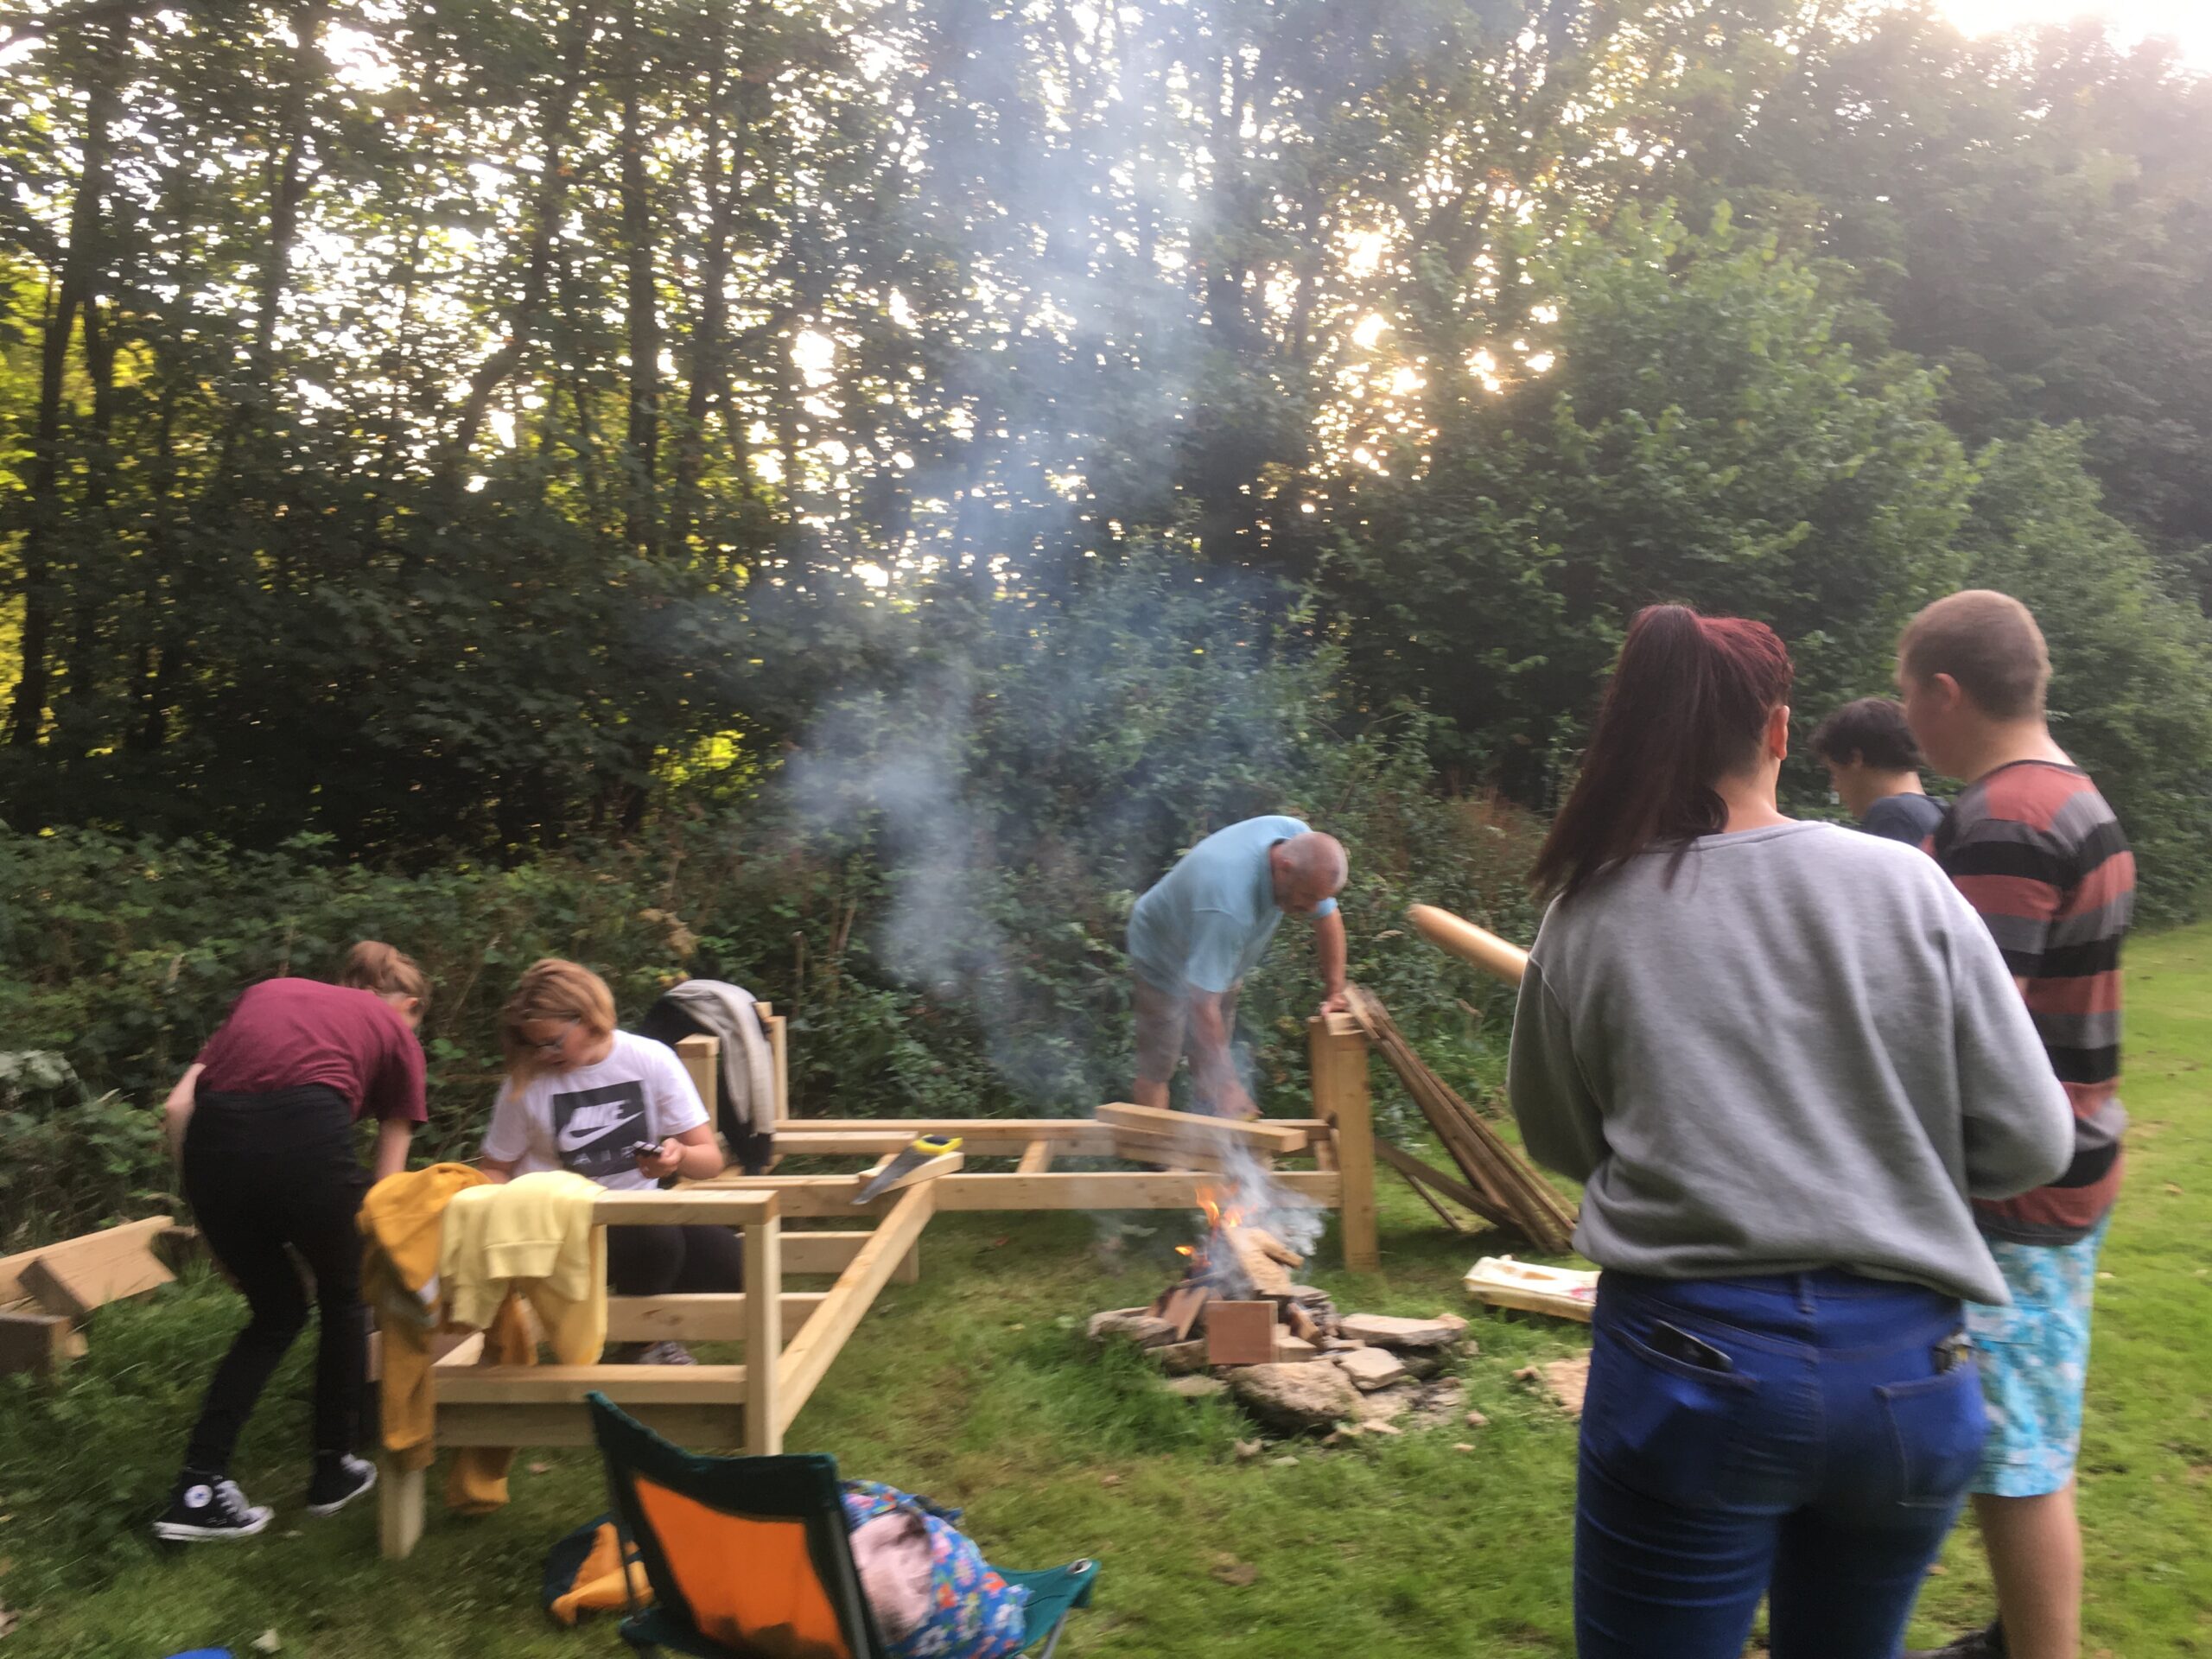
(262, 1127)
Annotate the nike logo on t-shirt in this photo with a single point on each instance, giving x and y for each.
(593, 1127)
(590, 1123)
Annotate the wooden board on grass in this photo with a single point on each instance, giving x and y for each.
(81, 1275)
(1564, 1292)
(38, 1341)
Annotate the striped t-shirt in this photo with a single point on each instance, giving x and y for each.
(2037, 851)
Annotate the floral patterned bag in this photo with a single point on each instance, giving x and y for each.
(962, 1610)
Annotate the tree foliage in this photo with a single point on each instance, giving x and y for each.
(467, 435)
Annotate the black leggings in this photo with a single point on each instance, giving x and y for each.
(690, 1260)
(264, 1172)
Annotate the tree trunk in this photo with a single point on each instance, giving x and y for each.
(42, 588)
(709, 344)
(644, 436)
(287, 187)
(545, 228)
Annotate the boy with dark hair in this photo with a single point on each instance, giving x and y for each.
(1875, 766)
(2035, 850)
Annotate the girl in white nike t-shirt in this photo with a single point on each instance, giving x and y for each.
(615, 1107)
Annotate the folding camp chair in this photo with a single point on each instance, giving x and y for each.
(749, 1558)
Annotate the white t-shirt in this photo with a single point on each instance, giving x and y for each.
(586, 1118)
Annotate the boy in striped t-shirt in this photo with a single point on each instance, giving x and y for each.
(2037, 852)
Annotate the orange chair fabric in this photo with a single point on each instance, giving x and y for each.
(749, 1580)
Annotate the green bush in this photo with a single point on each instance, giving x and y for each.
(933, 885)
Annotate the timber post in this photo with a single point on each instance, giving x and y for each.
(1338, 1049)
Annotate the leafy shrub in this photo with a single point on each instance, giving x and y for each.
(933, 885)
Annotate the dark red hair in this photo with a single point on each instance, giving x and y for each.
(1687, 703)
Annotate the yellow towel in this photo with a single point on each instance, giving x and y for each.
(533, 1235)
(399, 1221)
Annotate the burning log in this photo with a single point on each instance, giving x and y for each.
(1263, 1259)
(1181, 1307)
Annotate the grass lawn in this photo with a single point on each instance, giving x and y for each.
(974, 1387)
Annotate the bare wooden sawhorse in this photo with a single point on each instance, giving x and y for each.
(791, 1339)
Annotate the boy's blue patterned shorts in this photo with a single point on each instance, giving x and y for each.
(2034, 1357)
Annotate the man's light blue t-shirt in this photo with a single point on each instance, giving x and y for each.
(1206, 923)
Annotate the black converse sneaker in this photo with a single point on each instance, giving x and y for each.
(204, 1507)
(1986, 1643)
(338, 1481)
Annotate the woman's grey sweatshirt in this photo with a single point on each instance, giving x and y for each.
(1796, 1048)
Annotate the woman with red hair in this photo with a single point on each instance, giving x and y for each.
(1781, 1055)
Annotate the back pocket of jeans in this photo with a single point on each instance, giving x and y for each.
(1661, 1426)
(1936, 1427)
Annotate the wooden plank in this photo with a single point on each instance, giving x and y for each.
(828, 1251)
(694, 1205)
(399, 1509)
(1023, 1129)
(702, 1317)
(1340, 1093)
(1423, 1174)
(1566, 1292)
(1492, 1167)
(703, 1428)
(778, 1028)
(764, 1339)
(1164, 1152)
(1240, 1333)
(1196, 1129)
(38, 1341)
(11, 1267)
(546, 1385)
(832, 1195)
(1036, 1158)
(702, 1060)
(88, 1273)
(985, 1141)
(809, 1355)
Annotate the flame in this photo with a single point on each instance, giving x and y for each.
(1184, 1249)
(1216, 1216)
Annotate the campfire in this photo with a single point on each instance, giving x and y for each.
(1237, 1293)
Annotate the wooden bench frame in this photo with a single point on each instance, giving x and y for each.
(791, 1339)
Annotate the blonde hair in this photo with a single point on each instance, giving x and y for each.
(1986, 641)
(552, 989)
(372, 965)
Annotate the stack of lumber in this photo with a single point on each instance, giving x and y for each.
(46, 1293)
(1499, 1185)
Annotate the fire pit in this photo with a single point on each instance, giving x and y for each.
(1237, 1294)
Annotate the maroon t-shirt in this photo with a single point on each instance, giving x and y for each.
(285, 1034)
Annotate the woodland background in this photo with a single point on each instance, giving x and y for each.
(838, 495)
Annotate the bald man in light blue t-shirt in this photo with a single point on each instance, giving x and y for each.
(1203, 925)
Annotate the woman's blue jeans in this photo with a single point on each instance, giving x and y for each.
(1807, 1436)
